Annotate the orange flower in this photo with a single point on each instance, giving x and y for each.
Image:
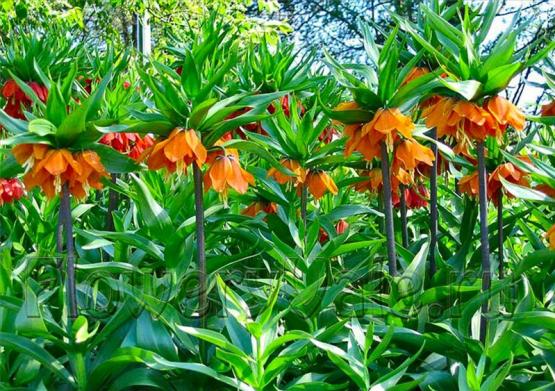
(260, 206)
(508, 172)
(226, 172)
(550, 235)
(176, 152)
(345, 106)
(415, 73)
(51, 168)
(505, 113)
(319, 182)
(469, 184)
(460, 119)
(294, 167)
(546, 189)
(548, 110)
(408, 155)
(386, 126)
(374, 182)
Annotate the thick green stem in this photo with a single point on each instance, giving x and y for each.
(404, 223)
(433, 207)
(388, 211)
(65, 211)
(486, 266)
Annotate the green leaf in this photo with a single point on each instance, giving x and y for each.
(526, 193)
(41, 127)
(114, 161)
(155, 217)
(36, 352)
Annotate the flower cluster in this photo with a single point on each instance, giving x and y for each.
(10, 190)
(130, 144)
(416, 194)
(17, 100)
(464, 121)
(318, 182)
(508, 171)
(50, 168)
(386, 126)
(176, 152)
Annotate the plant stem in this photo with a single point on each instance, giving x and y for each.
(388, 211)
(304, 203)
(201, 254)
(59, 238)
(500, 234)
(486, 267)
(433, 206)
(65, 211)
(112, 205)
(404, 227)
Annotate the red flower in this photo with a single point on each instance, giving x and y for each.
(415, 197)
(252, 127)
(17, 99)
(340, 228)
(328, 135)
(10, 190)
(130, 144)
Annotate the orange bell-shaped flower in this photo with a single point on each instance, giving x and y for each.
(176, 152)
(294, 167)
(505, 113)
(226, 172)
(49, 169)
(319, 183)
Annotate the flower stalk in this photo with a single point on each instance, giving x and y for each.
(112, 205)
(486, 266)
(433, 207)
(304, 203)
(388, 211)
(500, 235)
(404, 227)
(65, 212)
(201, 251)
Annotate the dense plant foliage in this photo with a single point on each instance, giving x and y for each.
(233, 213)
